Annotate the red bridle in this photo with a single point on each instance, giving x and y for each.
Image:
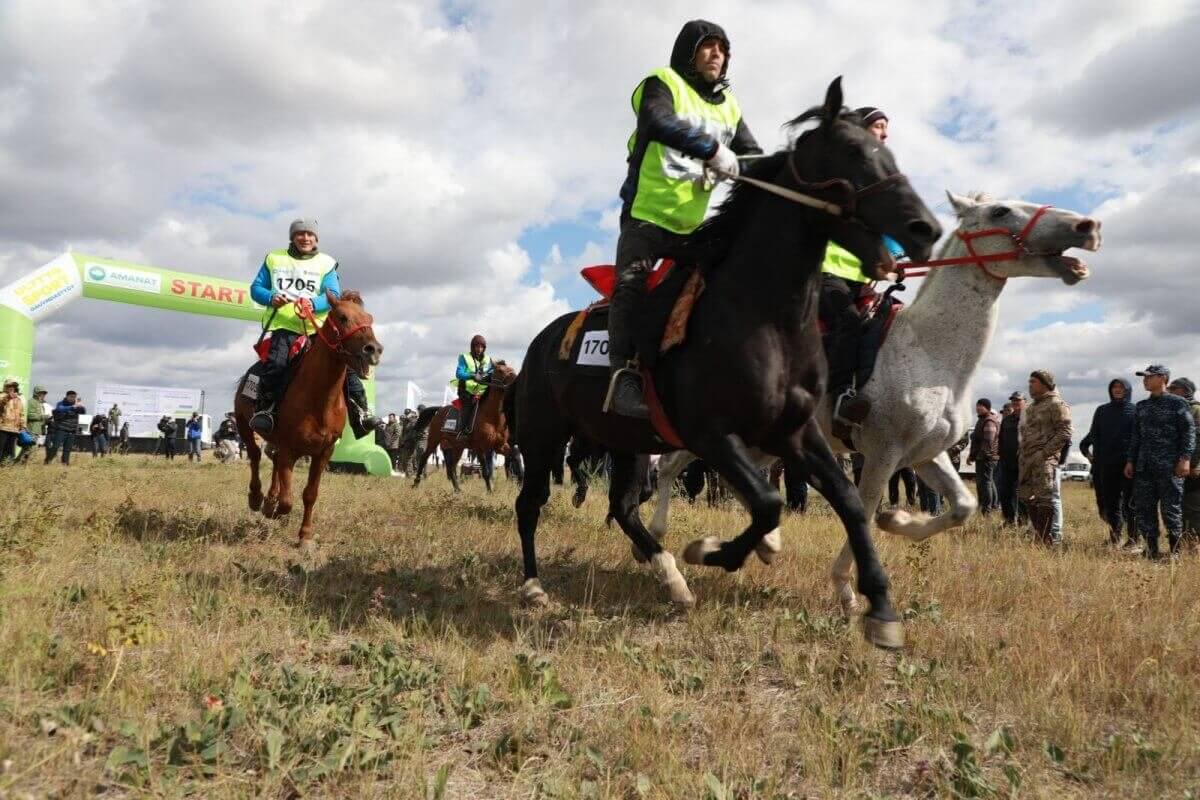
(980, 260)
(304, 310)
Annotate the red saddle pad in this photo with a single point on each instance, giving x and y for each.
(603, 277)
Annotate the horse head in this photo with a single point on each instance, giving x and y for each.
(840, 162)
(1035, 236)
(503, 375)
(348, 332)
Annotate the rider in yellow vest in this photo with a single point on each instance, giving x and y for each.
(842, 279)
(472, 373)
(687, 120)
(287, 274)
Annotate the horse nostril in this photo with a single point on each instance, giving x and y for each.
(1087, 226)
(370, 349)
(922, 231)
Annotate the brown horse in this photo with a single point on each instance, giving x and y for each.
(490, 433)
(312, 414)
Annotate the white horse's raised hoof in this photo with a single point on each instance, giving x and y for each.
(847, 598)
(888, 635)
(695, 552)
(893, 520)
(663, 566)
(533, 594)
(769, 547)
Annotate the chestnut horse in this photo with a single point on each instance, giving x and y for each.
(489, 434)
(312, 415)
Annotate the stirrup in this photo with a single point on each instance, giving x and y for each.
(849, 394)
(630, 367)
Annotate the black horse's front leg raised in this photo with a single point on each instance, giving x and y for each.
(729, 457)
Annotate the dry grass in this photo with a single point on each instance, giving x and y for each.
(156, 638)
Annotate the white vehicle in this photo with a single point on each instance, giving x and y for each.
(1077, 471)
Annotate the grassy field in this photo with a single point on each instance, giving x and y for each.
(158, 639)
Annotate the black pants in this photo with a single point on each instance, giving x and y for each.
(467, 418)
(1114, 499)
(60, 439)
(639, 246)
(985, 486)
(837, 310)
(1006, 491)
(8, 446)
(931, 501)
(797, 491)
(909, 477)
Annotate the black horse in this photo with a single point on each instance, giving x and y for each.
(751, 371)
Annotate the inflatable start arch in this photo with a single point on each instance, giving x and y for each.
(39, 294)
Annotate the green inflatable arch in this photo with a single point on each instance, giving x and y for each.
(73, 275)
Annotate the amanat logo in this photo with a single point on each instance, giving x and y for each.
(203, 290)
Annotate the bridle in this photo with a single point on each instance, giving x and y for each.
(337, 346)
(981, 260)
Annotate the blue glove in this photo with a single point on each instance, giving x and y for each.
(893, 247)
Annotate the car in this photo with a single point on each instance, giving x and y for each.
(1077, 471)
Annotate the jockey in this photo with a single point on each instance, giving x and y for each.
(472, 374)
(286, 275)
(842, 279)
(686, 115)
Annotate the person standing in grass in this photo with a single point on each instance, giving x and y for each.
(36, 420)
(194, 428)
(1008, 463)
(65, 421)
(1185, 388)
(168, 428)
(98, 430)
(114, 421)
(1160, 457)
(12, 421)
(392, 433)
(1045, 430)
(985, 450)
(1106, 447)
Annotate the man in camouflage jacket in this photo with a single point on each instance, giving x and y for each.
(1045, 429)
(1183, 387)
(1160, 457)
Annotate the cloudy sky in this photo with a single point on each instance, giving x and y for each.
(464, 159)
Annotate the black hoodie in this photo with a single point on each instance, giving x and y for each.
(1108, 440)
(657, 121)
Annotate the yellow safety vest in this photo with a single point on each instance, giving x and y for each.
(470, 384)
(841, 262)
(671, 190)
(295, 277)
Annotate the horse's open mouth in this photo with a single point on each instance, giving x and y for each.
(364, 369)
(1072, 269)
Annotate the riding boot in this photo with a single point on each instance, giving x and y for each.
(362, 421)
(849, 406)
(625, 386)
(466, 420)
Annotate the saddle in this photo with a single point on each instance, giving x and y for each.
(262, 348)
(878, 310)
(671, 294)
(453, 421)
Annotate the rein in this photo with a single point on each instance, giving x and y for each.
(977, 259)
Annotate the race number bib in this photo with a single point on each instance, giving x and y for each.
(295, 282)
(593, 352)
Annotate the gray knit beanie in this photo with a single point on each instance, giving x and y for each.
(298, 225)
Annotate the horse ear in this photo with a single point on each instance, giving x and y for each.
(331, 297)
(960, 204)
(833, 103)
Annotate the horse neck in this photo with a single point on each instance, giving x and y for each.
(493, 398)
(321, 370)
(954, 315)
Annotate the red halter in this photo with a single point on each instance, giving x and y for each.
(980, 260)
(304, 310)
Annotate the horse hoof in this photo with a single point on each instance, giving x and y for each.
(638, 555)
(268, 508)
(578, 498)
(695, 552)
(306, 545)
(892, 520)
(256, 502)
(533, 594)
(663, 566)
(769, 547)
(886, 634)
(847, 599)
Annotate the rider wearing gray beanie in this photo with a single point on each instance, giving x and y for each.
(298, 225)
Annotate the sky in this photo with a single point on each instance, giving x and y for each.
(463, 160)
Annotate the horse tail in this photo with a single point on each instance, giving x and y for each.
(424, 418)
(510, 413)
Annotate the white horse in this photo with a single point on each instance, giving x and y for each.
(919, 392)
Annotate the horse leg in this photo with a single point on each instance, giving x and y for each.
(255, 454)
(624, 494)
(272, 499)
(670, 467)
(315, 469)
(430, 446)
(451, 458)
(535, 491)
(733, 462)
(285, 462)
(881, 625)
(941, 476)
(485, 470)
(877, 469)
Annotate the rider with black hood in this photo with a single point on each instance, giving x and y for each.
(1106, 446)
(688, 123)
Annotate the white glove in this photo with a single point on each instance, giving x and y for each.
(723, 162)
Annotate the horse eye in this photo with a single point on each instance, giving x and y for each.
(1000, 212)
(342, 318)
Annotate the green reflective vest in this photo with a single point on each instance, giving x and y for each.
(470, 384)
(841, 262)
(295, 277)
(671, 191)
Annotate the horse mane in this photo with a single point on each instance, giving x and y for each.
(710, 242)
(352, 296)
